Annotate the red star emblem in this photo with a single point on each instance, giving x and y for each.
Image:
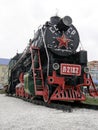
(63, 41)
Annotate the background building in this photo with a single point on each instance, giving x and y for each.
(93, 66)
(3, 71)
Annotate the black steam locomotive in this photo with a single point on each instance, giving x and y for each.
(50, 66)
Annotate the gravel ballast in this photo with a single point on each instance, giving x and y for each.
(16, 114)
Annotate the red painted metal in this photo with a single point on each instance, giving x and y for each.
(90, 85)
(40, 93)
(17, 91)
(46, 94)
(70, 69)
(70, 93)
(63, 40)
(62, 92)
(38, 88)
(20, 90)
(92, 89)
(21, 77)
(56, 80)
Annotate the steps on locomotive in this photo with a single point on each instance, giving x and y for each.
(37, 70)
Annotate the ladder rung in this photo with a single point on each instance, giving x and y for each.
(37, 70)
(39, 87)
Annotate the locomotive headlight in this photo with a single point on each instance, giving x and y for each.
(86, 69)
(67, 20)
(56, 66)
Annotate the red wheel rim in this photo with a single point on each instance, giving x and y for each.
(46, 94)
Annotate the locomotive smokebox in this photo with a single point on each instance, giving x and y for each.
(64, 23)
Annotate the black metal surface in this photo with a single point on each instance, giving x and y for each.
(53, 30)
(53, 44)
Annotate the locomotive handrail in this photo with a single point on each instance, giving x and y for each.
(43, 34)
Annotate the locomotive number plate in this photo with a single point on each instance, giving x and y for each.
(70, 69)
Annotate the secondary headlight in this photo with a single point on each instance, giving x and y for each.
(56, 66)
(86, 69)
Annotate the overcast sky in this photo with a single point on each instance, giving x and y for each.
(19, 19)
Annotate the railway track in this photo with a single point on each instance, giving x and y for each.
(64, 106)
